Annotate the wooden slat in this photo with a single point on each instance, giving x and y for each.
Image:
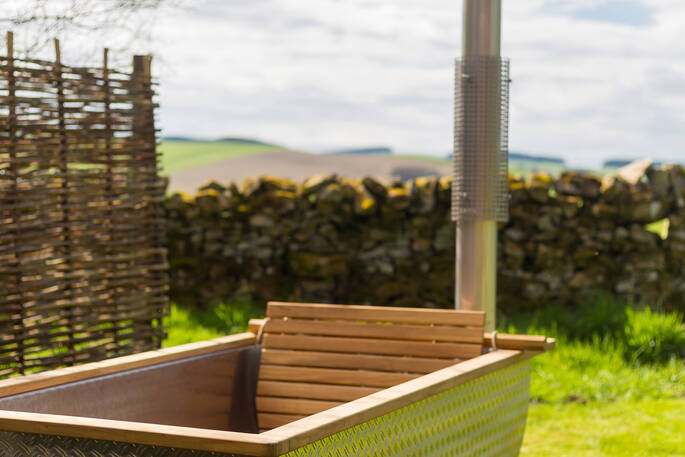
(333, 376)
(313, 391)
(271, 420)
(297, 406)
(343, 417)
(353, 361)
(376, 314)
(380, 331)
(371, 346)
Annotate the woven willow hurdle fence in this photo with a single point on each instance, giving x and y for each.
(82, 258)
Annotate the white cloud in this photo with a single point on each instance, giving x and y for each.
(324, 74)
(594, 90)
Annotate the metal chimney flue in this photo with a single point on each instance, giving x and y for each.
(480, 186)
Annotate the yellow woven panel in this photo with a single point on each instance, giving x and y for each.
(483, 417)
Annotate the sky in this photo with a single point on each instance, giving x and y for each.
(592, 79)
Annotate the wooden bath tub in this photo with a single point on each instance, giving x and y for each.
(213, 398)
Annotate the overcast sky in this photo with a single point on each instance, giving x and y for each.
(592, 79)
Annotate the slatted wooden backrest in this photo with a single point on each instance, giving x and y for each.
(315, 357)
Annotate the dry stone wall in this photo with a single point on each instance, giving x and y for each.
(331, 239)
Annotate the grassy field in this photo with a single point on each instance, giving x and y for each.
(646, 428)
(526, 167)
(516, 166)
(589, 400)
(425, 158)
(614, 386)
(183, 155)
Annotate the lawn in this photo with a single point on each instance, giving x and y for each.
(183, 155)
(619, 429)
(614, 386)
(588, 400)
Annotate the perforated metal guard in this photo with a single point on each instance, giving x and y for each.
(33, 445)
(483, 417)
(480, 184)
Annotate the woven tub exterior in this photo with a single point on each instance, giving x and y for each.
(33, 445)
(483, 417)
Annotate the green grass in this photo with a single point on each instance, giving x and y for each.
(187, 325)
(424, 158)
(623, 428)
(597, 371)
(526, 167)
(606, 351)
(184, 155)
(601, 392)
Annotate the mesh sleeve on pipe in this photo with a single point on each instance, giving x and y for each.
(480, 184)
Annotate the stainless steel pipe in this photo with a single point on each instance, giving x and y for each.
(476, 240)
(482, 28)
